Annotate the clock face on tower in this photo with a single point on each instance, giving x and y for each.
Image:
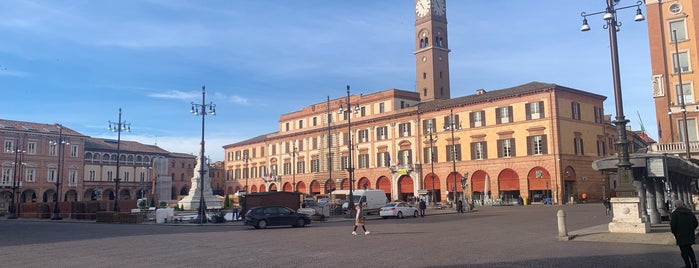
(438, 7)
(422, 8)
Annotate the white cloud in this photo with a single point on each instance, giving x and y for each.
(175, 94)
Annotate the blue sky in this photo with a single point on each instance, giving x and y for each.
(78, 62)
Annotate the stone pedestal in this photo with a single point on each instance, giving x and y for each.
(191, 201)
(627, 216)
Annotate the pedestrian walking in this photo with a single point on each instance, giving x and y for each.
(423, 206)
(460, 206)
(359, 219)
(682, 224)
(607, 205)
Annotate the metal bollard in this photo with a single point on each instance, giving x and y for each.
(562, 232)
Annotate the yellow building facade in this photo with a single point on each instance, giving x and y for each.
(528, 142)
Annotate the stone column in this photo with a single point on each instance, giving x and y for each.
(660, 196)
(638, 185)
(651, 203)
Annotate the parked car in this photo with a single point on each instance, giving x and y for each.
(398, 210)
(261, 217)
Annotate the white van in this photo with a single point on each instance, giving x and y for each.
(373, 200)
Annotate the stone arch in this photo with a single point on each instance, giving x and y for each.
(70, 196)
(508, 185)
(361, 183)
(184, 190)
(301, 187)
(315, 187)
(330, 186)
(286, 188)
(253, 189)
(384, 183)
(539, 184)
(406, 187)
(431, 184)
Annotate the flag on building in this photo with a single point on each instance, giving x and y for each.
(388, 160)
(660, 131)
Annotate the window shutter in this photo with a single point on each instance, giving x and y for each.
(500, 148)
(528, 110)
(498, 114)
(512, 147)
(485, 150)
(482, 117)
(509, 114)
(470, 120)
(473, 151)
(541, 109)
(545, 145)
(530, 145)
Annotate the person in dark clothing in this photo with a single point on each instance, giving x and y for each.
(460, 206)
(682, 224)
(607, 205)
(422, 207)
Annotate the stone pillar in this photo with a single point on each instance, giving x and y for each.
(627, 216)
(660, 197)
(638, 185)
(651, 204)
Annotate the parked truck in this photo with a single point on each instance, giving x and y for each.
(373, 200)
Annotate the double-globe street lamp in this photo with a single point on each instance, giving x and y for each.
(202, 161)
(60, 146)
(350, 168)
(118, 127)
(432, 139)
(16, 181)
(612, 25)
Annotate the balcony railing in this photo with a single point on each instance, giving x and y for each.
(674, 147)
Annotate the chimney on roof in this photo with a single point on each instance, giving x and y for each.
(480, 91)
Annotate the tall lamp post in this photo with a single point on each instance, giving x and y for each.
(293, 154)
(202, 170)
(432, 139)
(60, 146)
(118, 127)
(452, 126)
(612, 25)
(683, 107)
(16, 183)
(246, 174)
(350, 168)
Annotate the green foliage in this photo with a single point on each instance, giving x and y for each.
(227, 203)
(142, 203)
(152, 202)
(163, 204)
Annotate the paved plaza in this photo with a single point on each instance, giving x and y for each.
(510, 236)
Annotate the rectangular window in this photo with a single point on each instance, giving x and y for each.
(506, 148)
(477, 119)
(382, 109)
(503, 115)
(73, 151)
(315, 121)
(287, 168)
(680, 28)
(300, 124)
(579, 147)
(601, 148)
(535, 110)
(382, 159)
(381, 133)
(575, 108)
(73, 178)
(31, 147)
(314, 143)
(453, 152)
(30, 175)
(51, 176)
(430, 154)
(691, 129)
(536, 145)
(9, 145)
(404, 130)
(428, 126)
(686, 91)
(362, 111)
(6, 175)
(479, 150)
(315, 165)
(599, 114)
(286, 126)
(343, 162)
(364, 135)
(300, 167)
(684, 62)
(363, 161)
(405, 157)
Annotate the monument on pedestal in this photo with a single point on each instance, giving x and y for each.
(627, 216)
(191, 201)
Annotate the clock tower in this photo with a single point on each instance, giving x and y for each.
(432, 50)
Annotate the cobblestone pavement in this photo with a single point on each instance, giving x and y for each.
(511, 236)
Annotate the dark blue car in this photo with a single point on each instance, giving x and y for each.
(261, 217)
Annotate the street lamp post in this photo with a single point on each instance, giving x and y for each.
(293, 154)
(60, 146)
(202, 170)
(118, 127)
(350, 168)
(16, 183)
(246, 158)
(432, 139)
(624, 165)
(452, 125)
